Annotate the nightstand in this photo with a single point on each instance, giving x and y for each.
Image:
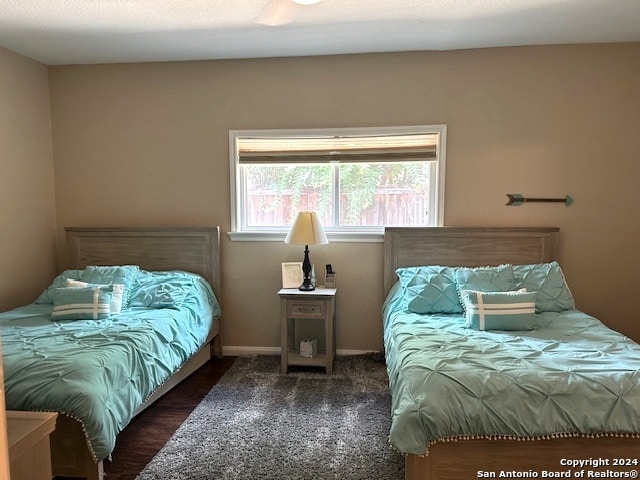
(315, 305)
(28, 437)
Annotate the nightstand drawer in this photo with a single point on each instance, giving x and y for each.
(305, 309)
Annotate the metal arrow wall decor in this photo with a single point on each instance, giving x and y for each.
(516, 199)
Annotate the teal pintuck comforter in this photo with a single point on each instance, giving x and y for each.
(100, 371)
(570, 376)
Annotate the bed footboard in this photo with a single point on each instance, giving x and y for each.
(70, 456)
(488, 458)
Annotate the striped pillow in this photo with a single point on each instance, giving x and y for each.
(500, 310)
(116, 295)
(84, 303)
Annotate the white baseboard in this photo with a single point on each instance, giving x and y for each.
(239, 350)
(342, 351)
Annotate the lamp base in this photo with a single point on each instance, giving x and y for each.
(306, 272)
(306, 287)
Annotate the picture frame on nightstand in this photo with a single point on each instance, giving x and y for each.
(291, 274)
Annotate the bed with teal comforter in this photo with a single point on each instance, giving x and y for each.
(99, 368)
(567, 375)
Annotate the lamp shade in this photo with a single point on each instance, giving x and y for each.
(306, 230)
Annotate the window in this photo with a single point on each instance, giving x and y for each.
(358, 180)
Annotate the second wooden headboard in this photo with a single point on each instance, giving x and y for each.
(466, 246)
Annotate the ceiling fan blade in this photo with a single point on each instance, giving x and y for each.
(277, 12)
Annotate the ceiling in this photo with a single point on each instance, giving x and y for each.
(57, 32)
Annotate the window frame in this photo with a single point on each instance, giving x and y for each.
(360, 234)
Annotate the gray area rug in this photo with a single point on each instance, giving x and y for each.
(259, 424)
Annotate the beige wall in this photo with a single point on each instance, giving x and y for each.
(27, 213)
(147, 144)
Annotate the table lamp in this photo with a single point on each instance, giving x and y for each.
(306, 230)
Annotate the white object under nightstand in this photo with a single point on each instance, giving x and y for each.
(319, 305)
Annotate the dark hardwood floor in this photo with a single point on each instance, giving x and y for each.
(149, 431)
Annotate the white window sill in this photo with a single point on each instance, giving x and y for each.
(359, 237)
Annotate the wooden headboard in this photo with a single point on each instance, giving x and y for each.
(194, 250)
(466, 246)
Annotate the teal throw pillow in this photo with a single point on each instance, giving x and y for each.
(82, 303)
(107, 275)
(500, 310)
(429, 289)
(162, 289)
(548, 280)
(486, 279)
(46, 297)
(116, 296)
